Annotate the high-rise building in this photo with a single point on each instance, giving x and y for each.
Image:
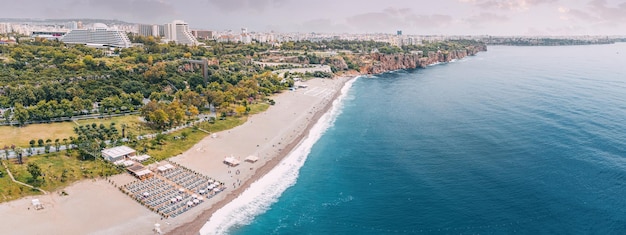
(71, 25)
(178, 31)
(99, 36)
(5, 28)
(150, 30)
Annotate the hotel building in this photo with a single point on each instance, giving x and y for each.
(98, 36)
(178, 31)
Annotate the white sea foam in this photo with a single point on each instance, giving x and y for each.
(264, 192)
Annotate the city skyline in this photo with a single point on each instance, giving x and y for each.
(447, 17)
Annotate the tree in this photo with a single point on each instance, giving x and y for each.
(20, 113)
(40, 142)
(32, 143)
(124, 130)
(240, 110)
(34, 170)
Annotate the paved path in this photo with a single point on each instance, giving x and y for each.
(27, 185)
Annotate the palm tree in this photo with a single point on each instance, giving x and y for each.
(124, 130)
(47, 147)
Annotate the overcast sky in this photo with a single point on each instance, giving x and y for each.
(466, 17)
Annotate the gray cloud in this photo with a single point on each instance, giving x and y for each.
(597, 14)
(141, 10)
(485, 17)
(235, 5)
(508, 4)
(322, 25)
(391, 19)
(606, 13)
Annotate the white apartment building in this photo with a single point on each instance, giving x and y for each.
(178, 31)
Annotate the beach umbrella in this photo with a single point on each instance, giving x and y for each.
(179, 197)
(216, 189)
(146, 194)
(196, 201)
(202, 191)
(201, 198)
(181, 190)
(190, 203)
(194, 195)
(211, 187)
(174, 200)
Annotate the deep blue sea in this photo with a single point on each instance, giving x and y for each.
(528, 140)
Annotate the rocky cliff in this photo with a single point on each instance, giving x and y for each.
(379, 63)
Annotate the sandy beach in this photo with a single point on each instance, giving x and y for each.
(99, 207)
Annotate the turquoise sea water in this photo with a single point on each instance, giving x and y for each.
(527, 140)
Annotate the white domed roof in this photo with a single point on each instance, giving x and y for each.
(100, 26)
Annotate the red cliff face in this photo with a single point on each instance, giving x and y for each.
(380, 63)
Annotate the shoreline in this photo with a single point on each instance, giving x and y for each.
(196, 224)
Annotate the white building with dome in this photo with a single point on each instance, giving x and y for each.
(98, 36)
(178, 31)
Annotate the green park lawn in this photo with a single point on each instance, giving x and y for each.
(52, 166)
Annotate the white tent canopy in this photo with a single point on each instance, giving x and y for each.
(231, 161)
(252, 158)
(37, 204)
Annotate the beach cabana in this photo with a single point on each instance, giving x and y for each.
(37, 204)
(231, 161)
(140, 158)
(157, 229)
(128, 163)
(161, 169)
(139, 171)
(252, 158)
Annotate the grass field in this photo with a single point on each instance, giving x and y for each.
(52, 166)
(132, 121)
(20, 136)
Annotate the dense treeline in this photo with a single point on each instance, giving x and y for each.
(353, 46)
(40, 79)
(546, 41)
(449, 45)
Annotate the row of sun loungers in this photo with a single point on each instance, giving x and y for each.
(174, 192)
